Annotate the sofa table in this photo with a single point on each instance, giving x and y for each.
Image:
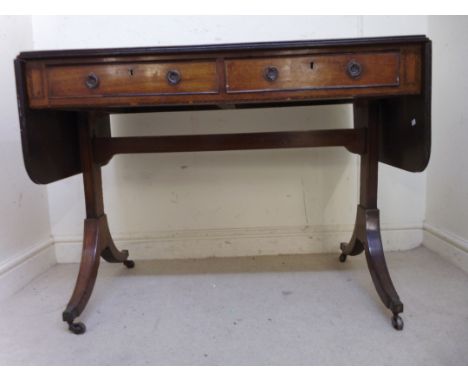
(65, 98)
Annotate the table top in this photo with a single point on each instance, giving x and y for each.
(224, 75)
(57, 88)
(206, 48)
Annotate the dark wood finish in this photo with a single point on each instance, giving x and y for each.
(53, 135)
(69, 81)
(106, 148)
(366, 236)
(97, 240)
(328, 71)
(49, 137)
(405, 124)
(139, 82)
(224, 48)
(65, 98)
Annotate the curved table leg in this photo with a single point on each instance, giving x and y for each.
(110, 252)
(97, 243)
(377, 264)
(355, 246)
(366, 235)
(86, 276)
(97, 240)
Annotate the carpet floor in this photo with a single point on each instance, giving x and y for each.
(266, 310)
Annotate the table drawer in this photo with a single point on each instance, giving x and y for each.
(132, 79)
(327, 71)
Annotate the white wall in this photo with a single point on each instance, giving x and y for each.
(230, 203)
(447, 177)
(24, 224)
(233, 203)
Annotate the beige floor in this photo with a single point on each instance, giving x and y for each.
(284, 310)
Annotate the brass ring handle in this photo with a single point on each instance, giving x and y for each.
(173, 76)
(354, 69)
(92, 81)
(271, 73)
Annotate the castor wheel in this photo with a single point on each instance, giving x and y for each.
(129, 264)
(76, 327)
(397, 322)
(343, 258)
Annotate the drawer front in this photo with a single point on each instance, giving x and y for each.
(327, 71)
(132, 79)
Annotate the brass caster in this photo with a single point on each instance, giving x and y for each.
(397, 322)
(76, 327)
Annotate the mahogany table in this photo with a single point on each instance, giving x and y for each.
(65, 98)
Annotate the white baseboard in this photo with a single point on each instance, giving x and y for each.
(18, 271)
(239, 242)
(448, 245)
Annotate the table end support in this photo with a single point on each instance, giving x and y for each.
(97, 243)
(366, 236)
(97, 239)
